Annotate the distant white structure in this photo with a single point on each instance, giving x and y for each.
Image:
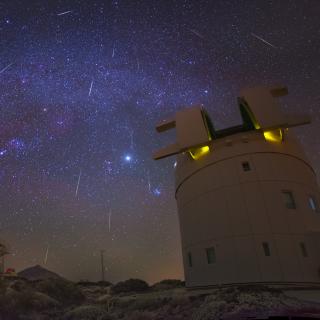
(247, 196)
(3, 251)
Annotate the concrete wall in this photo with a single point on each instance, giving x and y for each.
(222, 206)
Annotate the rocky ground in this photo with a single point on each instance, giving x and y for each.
(135, 300)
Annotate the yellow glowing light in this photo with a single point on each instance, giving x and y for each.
(197, 153)
(273, 135)
(251, 116)
(253, 119)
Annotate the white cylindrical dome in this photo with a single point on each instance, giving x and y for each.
(248, 212)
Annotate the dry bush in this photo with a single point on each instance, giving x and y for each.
(104, 283)
(179, 301)
(136, 302)
(19, 284)
(168, 284)
(140, 315)
(131, 285)
(66, 292)
(94, 284)
(88, 312)
(105, 299)
(24, 303)
(44, 302)
(146, 303)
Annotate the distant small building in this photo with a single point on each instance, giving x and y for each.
(10, 272)
(247, 196)
(3, 251)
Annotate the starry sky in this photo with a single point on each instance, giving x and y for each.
(83, 84)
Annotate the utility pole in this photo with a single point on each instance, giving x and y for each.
(102, 264)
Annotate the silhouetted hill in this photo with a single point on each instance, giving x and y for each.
(38, 273)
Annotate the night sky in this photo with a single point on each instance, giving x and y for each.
(83, 84)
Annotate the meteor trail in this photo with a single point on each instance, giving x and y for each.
(5, 68)
(78, 183)
(63, 13)
(46, 255)
(131, 138)
(149, 183)
(264, 41)
(90, 88)
(196, 33)
(110, 213)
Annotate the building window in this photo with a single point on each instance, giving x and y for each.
(211, 255)
(313, 203)
(303, 250)
(246, 166)
(289, 199)
(190, 259)
(266, 249)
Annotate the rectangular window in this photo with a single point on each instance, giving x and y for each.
(189, 259)
(246, 166)
(289, 199)
(313, 203)
(266, 249)
(303, 249)
(211, 255)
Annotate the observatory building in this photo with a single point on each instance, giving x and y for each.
(247, 196)
(3, 251)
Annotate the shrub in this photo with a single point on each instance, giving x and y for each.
(86, 284)
(131, 285)
(44, 302)
(104, 283)
(87, 313)
(15, 304)
(19, 285)
(140, 315)
(144, 303)
(168, 284)
(66, 292)
(94, 284)
(179, 301)
(104, 299)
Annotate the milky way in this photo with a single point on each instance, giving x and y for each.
(83, 84)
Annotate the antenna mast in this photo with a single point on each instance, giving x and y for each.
(102, 264)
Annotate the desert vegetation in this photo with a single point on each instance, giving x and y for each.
(134, 299)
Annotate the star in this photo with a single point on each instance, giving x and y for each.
(128, 158)
(16, 144)
(156, 192)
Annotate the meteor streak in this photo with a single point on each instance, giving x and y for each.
(63, 13)
(78, 183)
(264, 41)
